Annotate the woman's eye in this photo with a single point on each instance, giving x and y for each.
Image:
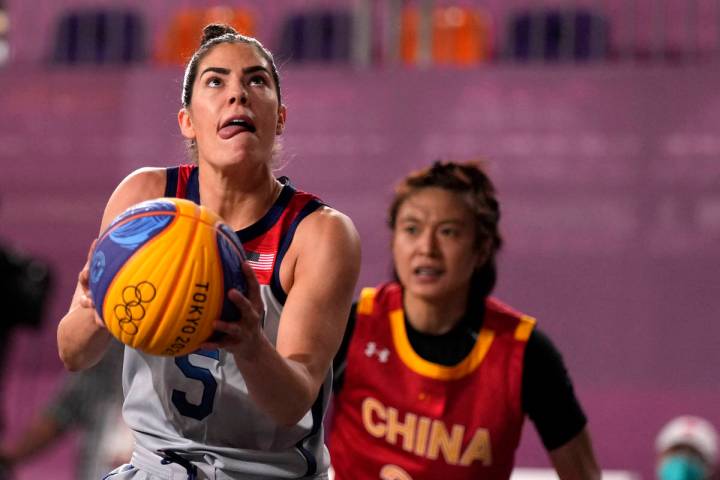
(257, 80)
(410, 229)
(214, 82)
(450, 232)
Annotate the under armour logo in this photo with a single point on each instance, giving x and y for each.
(371, 350)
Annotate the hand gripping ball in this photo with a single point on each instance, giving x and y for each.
(160, 273)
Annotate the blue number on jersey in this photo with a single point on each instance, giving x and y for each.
(179, 398)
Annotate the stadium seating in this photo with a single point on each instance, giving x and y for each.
(99, 36)
(316, 36)
(557, 34)
(183, 33)
(460, 36)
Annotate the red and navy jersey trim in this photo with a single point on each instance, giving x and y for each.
(271, 217)
(183, 182)
(309, 207)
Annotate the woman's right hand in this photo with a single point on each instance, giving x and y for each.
(85, 299)
(82, 335)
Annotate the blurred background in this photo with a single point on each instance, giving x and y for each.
(599, 121)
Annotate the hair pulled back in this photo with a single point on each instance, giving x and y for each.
(214, 34)
(471, 182)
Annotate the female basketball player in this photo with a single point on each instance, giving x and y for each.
(251, 405)
(434, 377)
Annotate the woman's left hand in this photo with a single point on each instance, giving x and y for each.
(242, 336)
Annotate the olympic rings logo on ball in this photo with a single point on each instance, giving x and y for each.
(132, 311)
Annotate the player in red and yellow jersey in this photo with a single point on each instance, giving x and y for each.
(435, 377)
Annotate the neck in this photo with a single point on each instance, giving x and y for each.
(432, 316)
(240, 198)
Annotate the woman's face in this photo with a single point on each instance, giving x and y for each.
(234, 112)
(434, 246)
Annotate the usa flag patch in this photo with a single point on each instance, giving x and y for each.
(260, 261)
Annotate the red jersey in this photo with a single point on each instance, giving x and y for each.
(400, 417)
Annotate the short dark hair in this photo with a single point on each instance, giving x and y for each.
(470, 180)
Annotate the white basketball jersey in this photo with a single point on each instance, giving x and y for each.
(198, 404)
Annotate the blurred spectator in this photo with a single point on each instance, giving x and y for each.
(90, 401)
(687, 450)
(24, 287)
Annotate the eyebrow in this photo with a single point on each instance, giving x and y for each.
(255, 68)
(220, 70)
(226, 71)
(413, 218)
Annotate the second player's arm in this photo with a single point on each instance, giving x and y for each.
(575, 460)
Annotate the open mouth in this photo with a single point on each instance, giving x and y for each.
(236, 125)
(428, 272)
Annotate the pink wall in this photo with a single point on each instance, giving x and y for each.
(608, 178)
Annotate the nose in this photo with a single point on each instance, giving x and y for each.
(427, 242)
(238, 96)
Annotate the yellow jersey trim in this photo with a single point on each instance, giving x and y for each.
(365, 303)
(433, 370)
(524, 328)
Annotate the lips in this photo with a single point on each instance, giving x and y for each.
(235, 125)
(427, 272)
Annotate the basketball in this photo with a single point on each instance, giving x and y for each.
(159, 275)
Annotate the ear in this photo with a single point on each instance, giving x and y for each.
(186, 127)
(282, 117)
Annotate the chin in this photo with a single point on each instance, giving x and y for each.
(232, 159)
(427, 293)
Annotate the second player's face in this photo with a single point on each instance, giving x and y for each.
(434, 247)
(234, 112)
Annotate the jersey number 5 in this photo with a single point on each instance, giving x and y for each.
(179, 398)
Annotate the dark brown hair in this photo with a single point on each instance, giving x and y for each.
(215, 34)
(470, 181)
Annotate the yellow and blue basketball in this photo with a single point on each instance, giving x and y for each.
(159, 275)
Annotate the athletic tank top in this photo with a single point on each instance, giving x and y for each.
(400, 417)
(198, 403)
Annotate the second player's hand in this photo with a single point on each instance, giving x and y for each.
(242, 336)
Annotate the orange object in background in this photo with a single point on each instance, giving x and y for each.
(183, 34)
(460, 36)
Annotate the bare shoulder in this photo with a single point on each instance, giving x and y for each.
(325, 262)
(327, 238)
(147, 178)
(142, 184)
(328, 224)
